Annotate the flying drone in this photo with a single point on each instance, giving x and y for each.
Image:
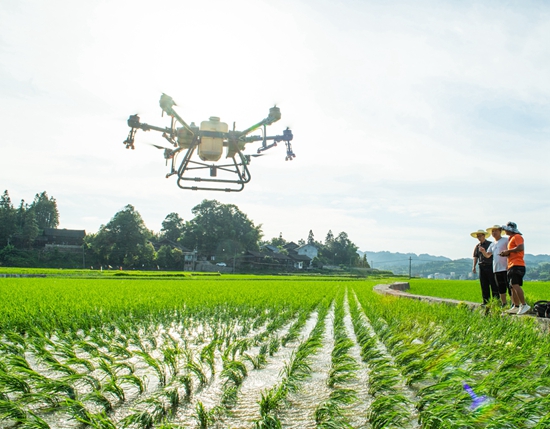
(209, 142)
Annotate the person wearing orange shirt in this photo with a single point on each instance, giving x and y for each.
(516, 267)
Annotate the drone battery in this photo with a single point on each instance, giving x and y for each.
(211, 147)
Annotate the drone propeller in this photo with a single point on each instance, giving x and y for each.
(157, 146)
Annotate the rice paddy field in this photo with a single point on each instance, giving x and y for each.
(181, 351)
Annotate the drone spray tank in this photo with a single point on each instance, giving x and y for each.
(212, 136)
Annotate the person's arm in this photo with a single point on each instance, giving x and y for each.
(475, 263)
(484, 252)
(518, 248)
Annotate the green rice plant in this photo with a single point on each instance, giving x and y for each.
(274, 345)
(13, 383)
(378, 416)
(207, 355)
(173, 396)
(294, 331)
(77, 410)
(205, 418)
(329, 415)
(111, 386)
(268, 422)
(196, 369)
(155, 364)
(155, 410)
(87, 364)
(234, 372)
(229, 396)
(97, 397)
(134, 380)
(257, 361)
(55, 387)
(11, 410)
(187, 382)
(270, 399)
(171, 359)
(100, 421)
(33, 421)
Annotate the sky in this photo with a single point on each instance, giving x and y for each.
(415, 123)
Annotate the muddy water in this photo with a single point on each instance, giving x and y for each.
(247, 409)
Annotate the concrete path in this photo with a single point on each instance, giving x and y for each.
(399, 290)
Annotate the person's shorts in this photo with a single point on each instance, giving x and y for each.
(515, 275)
(501, 279)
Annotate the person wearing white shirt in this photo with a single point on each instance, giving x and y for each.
(500, 263)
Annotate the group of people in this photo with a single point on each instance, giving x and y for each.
(501, 266)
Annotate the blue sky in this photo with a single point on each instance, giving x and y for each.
(415, 123)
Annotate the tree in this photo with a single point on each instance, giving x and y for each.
(124, 240)
(217, 226)
(173, 227)
(8, 222)
(45, 211)
(170, 257)
(344, 250)
(277, 241)
(310, 237)
(29, 229)
(339, 250)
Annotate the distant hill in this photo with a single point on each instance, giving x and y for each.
(536, 259)
(425, 265)
(385, 259)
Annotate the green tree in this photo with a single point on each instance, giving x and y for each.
(170, 257)
(216, 225)
(339, 250)
(277, 241)
(8, 220)
(124, 241)
(310, 237)
(45, 211)
(173, 227)
(29, 229)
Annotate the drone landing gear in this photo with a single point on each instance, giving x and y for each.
(239, 168)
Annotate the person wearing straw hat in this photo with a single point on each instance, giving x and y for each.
(516, 267)
(486, 278)
(500, 263)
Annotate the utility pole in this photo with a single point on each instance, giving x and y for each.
(410, 263)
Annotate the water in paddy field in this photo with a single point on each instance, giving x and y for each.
(357, 411)
(247, 409)
(405, 390)
(301, 407)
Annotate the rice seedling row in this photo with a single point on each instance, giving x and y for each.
(265, 354)
(451, 356)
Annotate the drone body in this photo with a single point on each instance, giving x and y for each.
(210, 141)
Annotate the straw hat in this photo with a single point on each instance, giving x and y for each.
(480, 231)
(490, 229)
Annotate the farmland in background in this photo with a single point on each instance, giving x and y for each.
(470, 290)
(169, 351)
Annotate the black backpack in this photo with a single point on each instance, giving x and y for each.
(542, 308)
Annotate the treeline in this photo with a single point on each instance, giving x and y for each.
(216, 232)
